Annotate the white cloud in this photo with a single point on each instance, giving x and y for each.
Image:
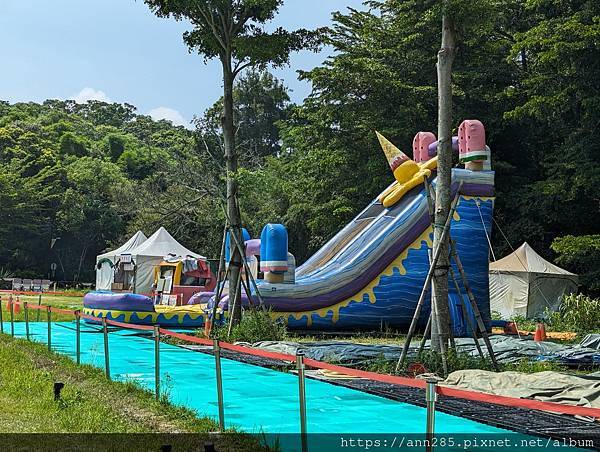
(88, 93)
(169, 114)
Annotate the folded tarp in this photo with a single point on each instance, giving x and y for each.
(580, 390)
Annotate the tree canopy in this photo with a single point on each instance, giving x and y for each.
(528, 69)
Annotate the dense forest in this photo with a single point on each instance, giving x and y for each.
(76, 179)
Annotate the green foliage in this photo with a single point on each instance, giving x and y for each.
(578, 313)
(381, 365)
(256, 325)
(69, 144)
(525, 68)
(432, 361)
(234, 29)
(261, 102)
(529, 367)
(582, 255)
(66, 173)
(523, 323)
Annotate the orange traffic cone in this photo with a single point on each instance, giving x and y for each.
(540, 332)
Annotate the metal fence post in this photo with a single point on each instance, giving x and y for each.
(106, 357)
(12, 316)
(49, 321)
(1, 315)
(157, 361)
(217, 353)
(302, 393)
(26, 314)
(430, 399)
(78, 337)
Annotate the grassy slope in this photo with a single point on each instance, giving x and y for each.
(89, 403)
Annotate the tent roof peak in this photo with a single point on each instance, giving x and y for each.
(525, 259)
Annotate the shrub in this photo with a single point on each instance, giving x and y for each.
(455, 360)
(256, 325)
(578, 313)
(529, 367)
(523, 323)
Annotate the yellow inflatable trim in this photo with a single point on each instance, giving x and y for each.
(396, 188)
(168, 312)
(401, 189)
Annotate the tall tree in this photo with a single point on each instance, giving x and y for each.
(441, 314)
(261, 102)
(231, 31)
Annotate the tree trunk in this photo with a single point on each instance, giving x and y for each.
(233, 211)
(444, 177)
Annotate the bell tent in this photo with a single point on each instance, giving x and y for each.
(150, 254)
(524, 283)
(105, 262)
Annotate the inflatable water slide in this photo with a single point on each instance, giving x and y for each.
(370, 274)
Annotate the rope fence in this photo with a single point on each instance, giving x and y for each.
(430, 386)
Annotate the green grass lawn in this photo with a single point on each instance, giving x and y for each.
(89, 402)
(56, 301)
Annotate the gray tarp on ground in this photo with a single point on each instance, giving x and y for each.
(509, 349)
(581, 390)
(591, 341)
(335, 352)
(506, 348)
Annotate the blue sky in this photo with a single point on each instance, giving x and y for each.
(117, 50)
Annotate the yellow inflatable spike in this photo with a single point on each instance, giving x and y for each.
(395, 156)
(407, 172)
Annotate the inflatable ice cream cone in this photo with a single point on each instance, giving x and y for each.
(407, 172)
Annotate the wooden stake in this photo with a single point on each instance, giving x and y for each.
(436, 318)
(473, 302)
(219, 281)
(468, 318)
(231, 307)
(241, 250)
(436, 256)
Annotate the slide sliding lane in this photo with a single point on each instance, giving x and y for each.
(371, 273)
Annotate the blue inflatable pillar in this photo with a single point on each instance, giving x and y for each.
(274, 252)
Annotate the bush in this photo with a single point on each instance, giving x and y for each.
(256, 325)
(578, 313)
(523, 323)
(529, 367)
(432, 361)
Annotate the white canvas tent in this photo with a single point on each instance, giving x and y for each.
(151, 253)
(105, 262)
(524, 283)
